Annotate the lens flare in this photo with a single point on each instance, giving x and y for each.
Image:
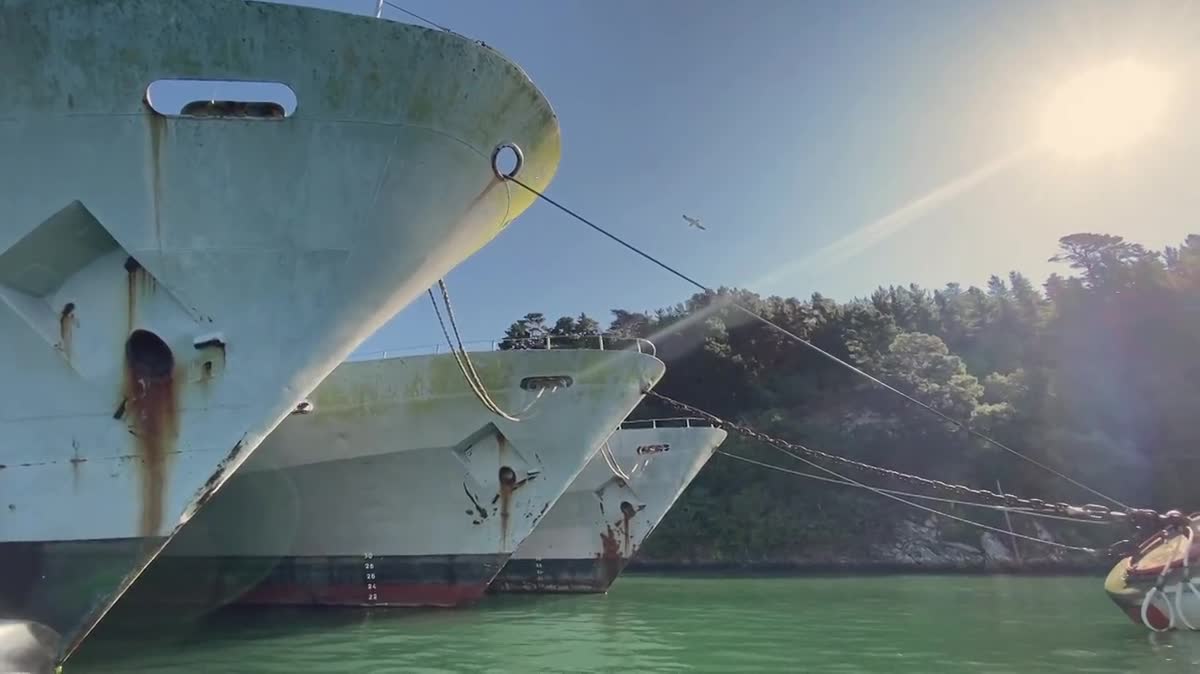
(1105, 109)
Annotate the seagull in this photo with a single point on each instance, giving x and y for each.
(694, 222)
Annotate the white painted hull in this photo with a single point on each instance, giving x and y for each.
(389, 492)
(260, 252)
(589, 535)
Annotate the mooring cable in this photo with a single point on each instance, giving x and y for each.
(826, 354)
(470, 374)
(907, 494)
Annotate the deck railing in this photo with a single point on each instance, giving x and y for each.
(601, 342)
(667, 422)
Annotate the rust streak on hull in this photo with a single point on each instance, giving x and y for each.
(627, 513)
(157, 131)
(152, 411)
(66, 325)
(137, 282)
(610, 555)
(508, 481)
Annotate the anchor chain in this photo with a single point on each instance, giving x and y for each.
(1141, 519)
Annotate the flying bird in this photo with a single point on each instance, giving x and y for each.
(694, 222)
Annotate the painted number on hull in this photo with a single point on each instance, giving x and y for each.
(369, 575)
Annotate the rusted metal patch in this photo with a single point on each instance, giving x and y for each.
(614, 553)
(627, 513)
(158, 128)
(537, 518)
(610, 555)
(66, 326)
(209, 361)
(214, 480)
(508, 482)
(152, 400)
(137, 282)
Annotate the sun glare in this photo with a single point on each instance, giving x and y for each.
(1105, 110)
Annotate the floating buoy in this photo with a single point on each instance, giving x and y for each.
(1156, 586)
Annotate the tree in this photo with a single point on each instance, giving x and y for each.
(586, 325)
(564, 326)
(923, 367)
(528, 332)
(1101, 257)
(1093, 374)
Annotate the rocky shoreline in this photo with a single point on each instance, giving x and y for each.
(916, 547)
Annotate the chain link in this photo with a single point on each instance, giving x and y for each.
(1141, 519)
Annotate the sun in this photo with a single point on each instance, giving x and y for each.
(1105, 109)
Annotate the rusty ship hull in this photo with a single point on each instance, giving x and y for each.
(591, 533)
(399, 488)
(174, 280)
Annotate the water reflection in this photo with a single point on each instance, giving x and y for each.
(878, 624)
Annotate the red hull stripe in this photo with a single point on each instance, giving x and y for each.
(408, 594)
(366, 580)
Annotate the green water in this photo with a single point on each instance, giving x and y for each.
(653, 623)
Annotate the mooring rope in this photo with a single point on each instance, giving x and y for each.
(416, 16)
(1087, 512)
(459, 351)
(611, 460)
(906, 494)
(934, 511)
(826, 354)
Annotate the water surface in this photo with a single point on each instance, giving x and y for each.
(891, 624)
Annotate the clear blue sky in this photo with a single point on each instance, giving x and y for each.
(789, 125)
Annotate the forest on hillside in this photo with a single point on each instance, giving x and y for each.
(1095, 373)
